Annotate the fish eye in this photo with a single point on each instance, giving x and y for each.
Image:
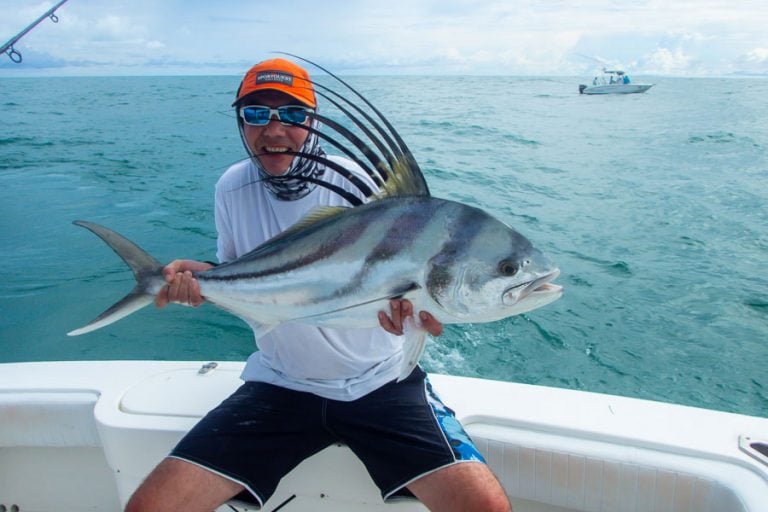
(507, 268)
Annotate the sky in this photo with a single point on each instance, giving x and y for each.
(391, 37)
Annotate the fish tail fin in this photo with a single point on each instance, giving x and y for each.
(146, 269)
(131, 303)
(413, 346)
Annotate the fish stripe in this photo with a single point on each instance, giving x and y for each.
(460, 240)
(402, 233)
(346, 238)
(456, 245)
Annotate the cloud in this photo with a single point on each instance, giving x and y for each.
(112, 28)
(519, 37)
(666, 61)
(758, 55)
(753, 62)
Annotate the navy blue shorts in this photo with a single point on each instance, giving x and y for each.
(400, 432)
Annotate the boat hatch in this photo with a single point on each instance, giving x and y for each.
(185, 392)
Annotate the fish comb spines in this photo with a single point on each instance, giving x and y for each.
(392, 147)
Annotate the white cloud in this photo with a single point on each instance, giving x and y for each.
(758, 55)
(664, 61)
(402, 36)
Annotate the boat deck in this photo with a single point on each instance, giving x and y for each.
(82, 436)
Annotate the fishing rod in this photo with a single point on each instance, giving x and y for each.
(8, 48)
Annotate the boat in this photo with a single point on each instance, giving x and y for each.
(613, 81)
(81, 435)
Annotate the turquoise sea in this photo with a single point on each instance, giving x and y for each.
(655, 207)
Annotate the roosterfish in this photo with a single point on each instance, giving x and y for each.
(340, 266)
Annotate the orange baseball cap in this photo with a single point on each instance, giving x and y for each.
(278, 75)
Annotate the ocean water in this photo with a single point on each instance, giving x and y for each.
(653, 205)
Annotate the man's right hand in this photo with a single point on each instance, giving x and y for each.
(182, 287)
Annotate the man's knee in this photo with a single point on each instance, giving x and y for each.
(492, 501)
(488, 496)
(469, 486)
(178, 485)
(136, 504)
(142, 500)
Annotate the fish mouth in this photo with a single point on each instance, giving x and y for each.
(537, 290)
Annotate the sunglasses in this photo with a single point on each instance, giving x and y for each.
(260, 115)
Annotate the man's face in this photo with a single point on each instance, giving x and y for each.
(271, 141)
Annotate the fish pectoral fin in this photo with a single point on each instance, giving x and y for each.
(397, 293)
(413, 346)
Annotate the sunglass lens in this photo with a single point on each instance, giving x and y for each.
(293, 115)
(256, 115)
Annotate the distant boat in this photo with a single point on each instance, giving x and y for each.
(613, 81)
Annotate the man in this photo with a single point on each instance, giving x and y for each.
(308, 387)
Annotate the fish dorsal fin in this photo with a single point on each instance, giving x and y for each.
(314, 217)
(403, 180)
(385, 157)
(396, 173)
(318, 214)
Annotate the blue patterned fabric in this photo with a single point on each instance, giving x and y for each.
(462, 445)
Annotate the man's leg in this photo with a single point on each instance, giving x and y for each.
(258, 422)
(463, 487)
(179, 485)
(406, 436)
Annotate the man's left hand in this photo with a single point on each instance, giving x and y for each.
(402, 309)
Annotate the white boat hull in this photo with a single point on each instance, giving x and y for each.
(83, 435)
(614, 88)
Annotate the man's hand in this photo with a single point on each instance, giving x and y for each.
(402, 309)
(182, 287)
